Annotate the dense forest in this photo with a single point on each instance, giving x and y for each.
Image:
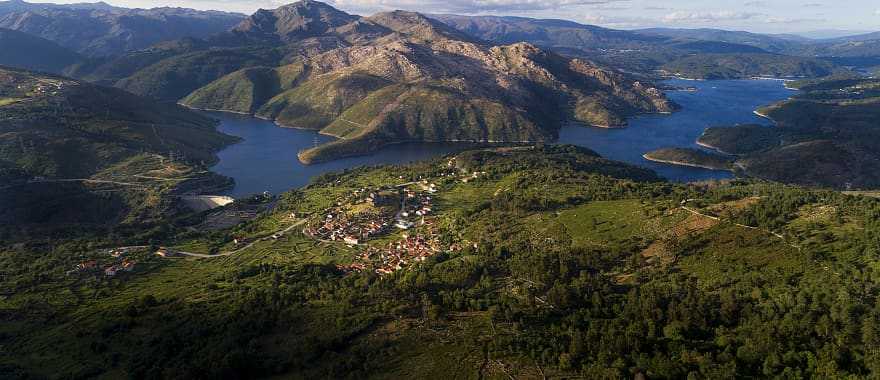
(592, 269)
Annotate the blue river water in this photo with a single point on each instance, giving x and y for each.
(714, 103)
(266, 158)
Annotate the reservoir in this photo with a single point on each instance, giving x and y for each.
(266, 158)
(714, 103)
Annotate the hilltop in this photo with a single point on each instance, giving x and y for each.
(526, 263)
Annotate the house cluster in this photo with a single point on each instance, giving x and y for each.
(126, 265)
(109, 270)
(396, 255)
(354, 228)
(416, 206)
(48, 87)
(339, 226)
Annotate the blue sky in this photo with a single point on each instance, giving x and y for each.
(772, 16)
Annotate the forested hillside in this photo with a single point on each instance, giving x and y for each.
(76, 154)
(546, 262)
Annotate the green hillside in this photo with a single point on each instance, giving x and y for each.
(826, 135)
(173, 78)
(30, 52)
(691, 157)
(549, 262)
(738, 66)
(65, 140)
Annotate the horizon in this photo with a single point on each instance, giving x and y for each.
(813, 20)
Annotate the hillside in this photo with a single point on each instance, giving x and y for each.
(691, 157)
(62, 136)
(824, 136)
(768, 43)
(407, 77)
(34, 53)
(738, 66)
(98, 29)
(548, 262)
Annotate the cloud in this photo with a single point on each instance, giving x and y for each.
(466, 6)
(707, 17)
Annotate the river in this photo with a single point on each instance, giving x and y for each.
(266, 159)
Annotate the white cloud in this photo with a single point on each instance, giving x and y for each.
(465, 6)
(705, 17)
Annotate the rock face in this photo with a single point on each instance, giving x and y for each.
(294, 22)
(391, 77)
(100, 29)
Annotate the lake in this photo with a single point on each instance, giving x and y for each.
(266, 159)
(714, 103)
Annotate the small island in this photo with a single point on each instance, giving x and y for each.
(691, 157)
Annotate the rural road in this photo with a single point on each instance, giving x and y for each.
(230, 253)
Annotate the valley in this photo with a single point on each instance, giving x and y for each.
(347, 191)
(266, 159)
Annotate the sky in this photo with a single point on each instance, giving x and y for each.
(765, 16)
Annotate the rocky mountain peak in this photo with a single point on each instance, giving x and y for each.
(417, 26)
(295, 21)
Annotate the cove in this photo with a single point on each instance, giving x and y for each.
(714, 103)
(265, 160)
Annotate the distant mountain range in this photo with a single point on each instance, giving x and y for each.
(399, 76)
(100, 29)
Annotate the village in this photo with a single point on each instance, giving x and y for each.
(120, 262)
(370, 213)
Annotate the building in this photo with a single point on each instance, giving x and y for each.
(165, 252)
(111, 271)
(87, 265)
(351, 240)
(128, 266)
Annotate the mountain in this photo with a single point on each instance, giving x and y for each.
(855, 37)
(293, 22)
(536, 262)
(407, 77)
(823, 34)
(548, 32)
(34, 53)
(768, 43)
(737, 66)
(391, 77)
(61, 137)
(101, 30)
(690, 53)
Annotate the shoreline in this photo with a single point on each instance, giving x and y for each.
(713, 148)
(680, 163)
